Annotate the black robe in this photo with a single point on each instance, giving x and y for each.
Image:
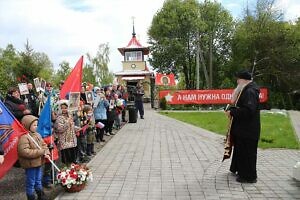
(245, 130)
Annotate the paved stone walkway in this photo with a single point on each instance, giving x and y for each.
(162, 158)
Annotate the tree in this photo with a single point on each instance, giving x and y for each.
(270, 47)
(99, 64)
(88, 74)
(172, 36)
(62, 73)
(184, 28)
(41, 59)
(26, 69)
(24, 66)
(33, 64)
(215, 41)
(8, 61)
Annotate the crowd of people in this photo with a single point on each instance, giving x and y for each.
(75, 131)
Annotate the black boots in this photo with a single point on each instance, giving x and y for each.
(90, 149)
(98, 136)
(41, 195)
(30, 197)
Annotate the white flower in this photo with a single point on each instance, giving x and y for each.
(75, 175)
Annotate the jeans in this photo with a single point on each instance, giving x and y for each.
(33, 180)
(139, 107)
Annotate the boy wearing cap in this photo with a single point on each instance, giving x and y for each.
(245, 128)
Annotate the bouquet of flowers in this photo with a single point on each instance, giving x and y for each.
(74, 176)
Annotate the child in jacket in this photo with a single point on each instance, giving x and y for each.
(31, 153)
(89, 124)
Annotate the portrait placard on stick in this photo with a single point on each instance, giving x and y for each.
(74, 100)
(23, 88)
(89, 96)
(37, 84)
(43, 85)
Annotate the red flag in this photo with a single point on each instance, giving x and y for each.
(165, 79)
(73, 81)
(10, 131)
(50, 140)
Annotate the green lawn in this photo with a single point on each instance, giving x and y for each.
(276, 129)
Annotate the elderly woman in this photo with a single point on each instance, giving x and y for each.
(65, 131)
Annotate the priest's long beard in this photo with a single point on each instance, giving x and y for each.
(237, 91)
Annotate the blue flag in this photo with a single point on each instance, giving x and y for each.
(44, 123)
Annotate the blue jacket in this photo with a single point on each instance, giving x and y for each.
(100, 110)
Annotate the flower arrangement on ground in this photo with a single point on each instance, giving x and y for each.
(74, 176)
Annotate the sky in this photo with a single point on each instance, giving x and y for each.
(67, 29)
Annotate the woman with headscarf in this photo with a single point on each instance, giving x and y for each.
(65, 131)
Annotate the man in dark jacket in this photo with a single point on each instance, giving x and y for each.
(31, 100)
(245, 128)
(138, 100)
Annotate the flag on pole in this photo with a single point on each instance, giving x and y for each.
(73, 81)
(45, 128)
(165, 79)
(10, 132)
(44, 124)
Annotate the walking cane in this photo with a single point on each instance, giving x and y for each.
(38, 146)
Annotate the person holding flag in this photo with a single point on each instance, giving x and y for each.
(31, 153)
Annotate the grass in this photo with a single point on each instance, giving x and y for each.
(276, 129)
